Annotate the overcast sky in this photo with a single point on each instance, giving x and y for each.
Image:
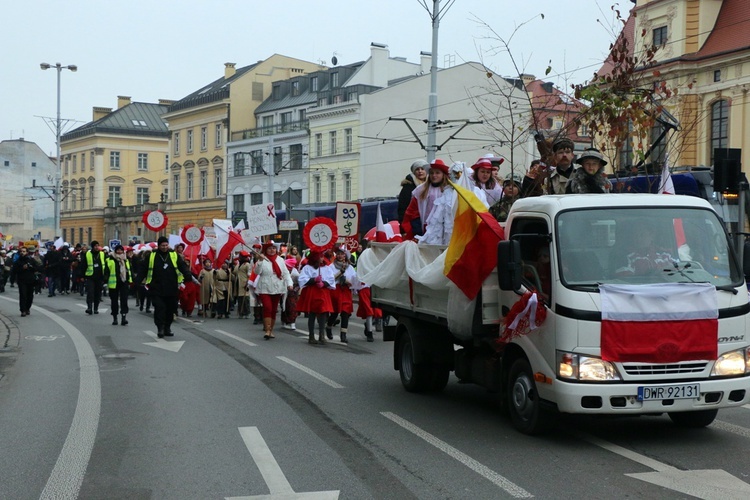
(169, 48)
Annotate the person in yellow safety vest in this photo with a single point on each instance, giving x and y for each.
(93, 271)
(164, 276)
(119, 279)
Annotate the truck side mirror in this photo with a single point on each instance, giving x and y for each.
(509, 265)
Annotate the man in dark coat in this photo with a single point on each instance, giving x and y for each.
(417, 176)
(52, 261)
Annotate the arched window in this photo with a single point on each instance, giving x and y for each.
(719, 126)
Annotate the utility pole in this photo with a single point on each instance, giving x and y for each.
(57, 198)
(432, 100)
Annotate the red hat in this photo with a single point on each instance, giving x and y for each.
(483, 163)
(439, 164)
(244, 253)
(267, 245)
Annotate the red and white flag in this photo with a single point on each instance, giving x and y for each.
(666, 184)
(660, 323)
(384, 232)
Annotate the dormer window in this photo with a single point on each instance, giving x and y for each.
(276, 92)
(314, 83)
(334, 79)
(295, 88)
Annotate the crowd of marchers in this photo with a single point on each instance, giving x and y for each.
(263, 282)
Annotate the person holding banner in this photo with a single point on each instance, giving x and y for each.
(273, 281)
(316, 281)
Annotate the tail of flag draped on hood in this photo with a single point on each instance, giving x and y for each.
(476, 234)
(226, 240)
(660, 323)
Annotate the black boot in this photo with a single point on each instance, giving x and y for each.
(124, 321)
(160, 333)
(369, 336)
(343, 336)
(88, 310)
(114, 320)
(329, 333)
(168, 332)
(96, 308)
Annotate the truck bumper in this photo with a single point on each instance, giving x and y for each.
(622, 399)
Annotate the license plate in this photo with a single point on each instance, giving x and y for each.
(675, 391)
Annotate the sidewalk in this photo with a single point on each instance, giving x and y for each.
(10, 341)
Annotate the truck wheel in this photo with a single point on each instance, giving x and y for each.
(440, 376)
(523, 400)
(693, 419)
(414, 377)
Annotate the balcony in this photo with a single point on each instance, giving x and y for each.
(281, 128)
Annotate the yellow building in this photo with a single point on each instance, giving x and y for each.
(200, 125)
(704, 52)
(112, 171)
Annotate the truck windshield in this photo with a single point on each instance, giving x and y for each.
(644, 245)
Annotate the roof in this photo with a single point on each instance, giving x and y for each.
(552, 204)
(137, 118)
(731, 32)
(214, 91)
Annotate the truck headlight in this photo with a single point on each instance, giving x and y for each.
(732, 363)
(585, 368)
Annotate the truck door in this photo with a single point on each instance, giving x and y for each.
(534, 237)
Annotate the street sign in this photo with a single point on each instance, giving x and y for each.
(114, 243)
(288, 225)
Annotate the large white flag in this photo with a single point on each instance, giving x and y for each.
(666, 184)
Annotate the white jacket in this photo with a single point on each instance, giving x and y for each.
(268, 282)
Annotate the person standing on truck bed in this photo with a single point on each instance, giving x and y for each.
(590, 178)
(423, 200)
(484, 179)
(417, 177)
(557, 178)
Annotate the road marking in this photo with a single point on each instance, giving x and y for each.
(101, 310)
(746, 406)
(312, 373)
(272, 474)
(67, 475)
(484, 471)
(235, 337)
(39, 338)
(709, 484)
(734, 429)
(173, 346)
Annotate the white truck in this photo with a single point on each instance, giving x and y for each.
(568, 249)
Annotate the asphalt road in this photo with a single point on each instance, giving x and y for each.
(90, 410)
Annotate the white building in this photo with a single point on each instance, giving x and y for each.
(465, 92)
(26, 204)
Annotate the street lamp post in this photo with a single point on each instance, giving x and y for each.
(58, 195)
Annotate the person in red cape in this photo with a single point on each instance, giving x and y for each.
(273, 281)
(316, 281)
(341, 296)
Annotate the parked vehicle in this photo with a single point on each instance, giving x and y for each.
(569, 250)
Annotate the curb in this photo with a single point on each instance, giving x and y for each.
(10, 336)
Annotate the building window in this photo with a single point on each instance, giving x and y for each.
(204, 184)
(257, 91)
(348, 137)
(239, 164)
(338, 99)
(302, 113)
(204, 138)
(75, 162)
(256, 198)
(91, 196)
(332, 142)
(176, 140)
(114, 160)
(256, 162)
(80, 234)
(318, 144)
(717, 75)
(719, 126)
(189, 141)
(295, 88)
(65, 165)
(141, 195)
(267, 124)
(143, 162)
(314, 84)
(347, 186)
(33, 164)
(334, 79)
(218, 135)
(331, 187)
(176, 186)
(660, 36)
(73, 198)
(278, 157)
(189, 185)
(238, 203)
(626, 151)
(113, 198)
(659, 151)
(91, 161)
(83, 198)
(286, 120)
(217, 180)
(316, 188)
(295, 157)
(83, 162)
(277, 200)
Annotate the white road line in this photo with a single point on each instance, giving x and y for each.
(235, 337)
(67, 475)
(629, 454)
(312, 373)
(264, 459)
(734, 429)
(746, 406)
(484, 471)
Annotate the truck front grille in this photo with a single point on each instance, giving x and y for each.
(670, 369)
